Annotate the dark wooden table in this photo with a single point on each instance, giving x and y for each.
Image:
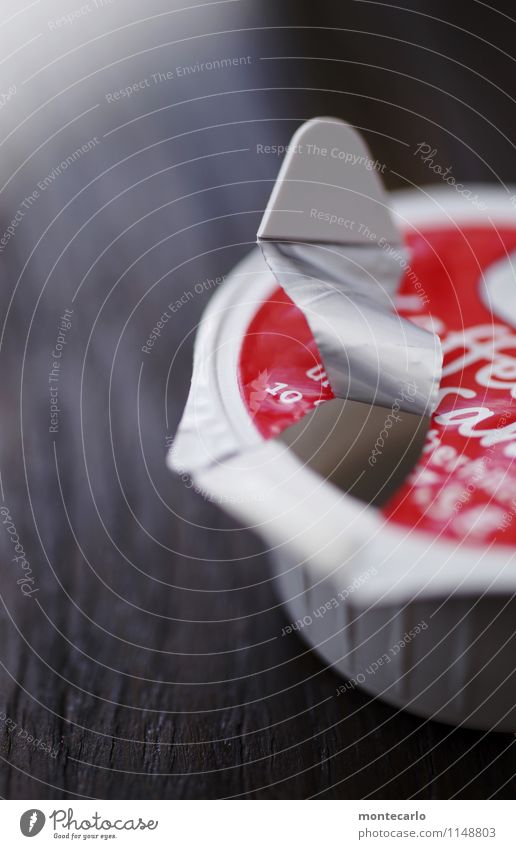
(148, 661)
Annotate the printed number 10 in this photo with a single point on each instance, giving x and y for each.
(286, 396)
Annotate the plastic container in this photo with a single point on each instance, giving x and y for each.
(397, 567)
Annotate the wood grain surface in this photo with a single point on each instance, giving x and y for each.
(148, 662)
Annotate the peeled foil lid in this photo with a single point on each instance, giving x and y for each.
(329, 239)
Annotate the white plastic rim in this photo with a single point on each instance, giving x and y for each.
(267, 488)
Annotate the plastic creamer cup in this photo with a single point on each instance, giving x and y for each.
(391, 531)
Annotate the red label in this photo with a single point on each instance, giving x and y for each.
(465, 481)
